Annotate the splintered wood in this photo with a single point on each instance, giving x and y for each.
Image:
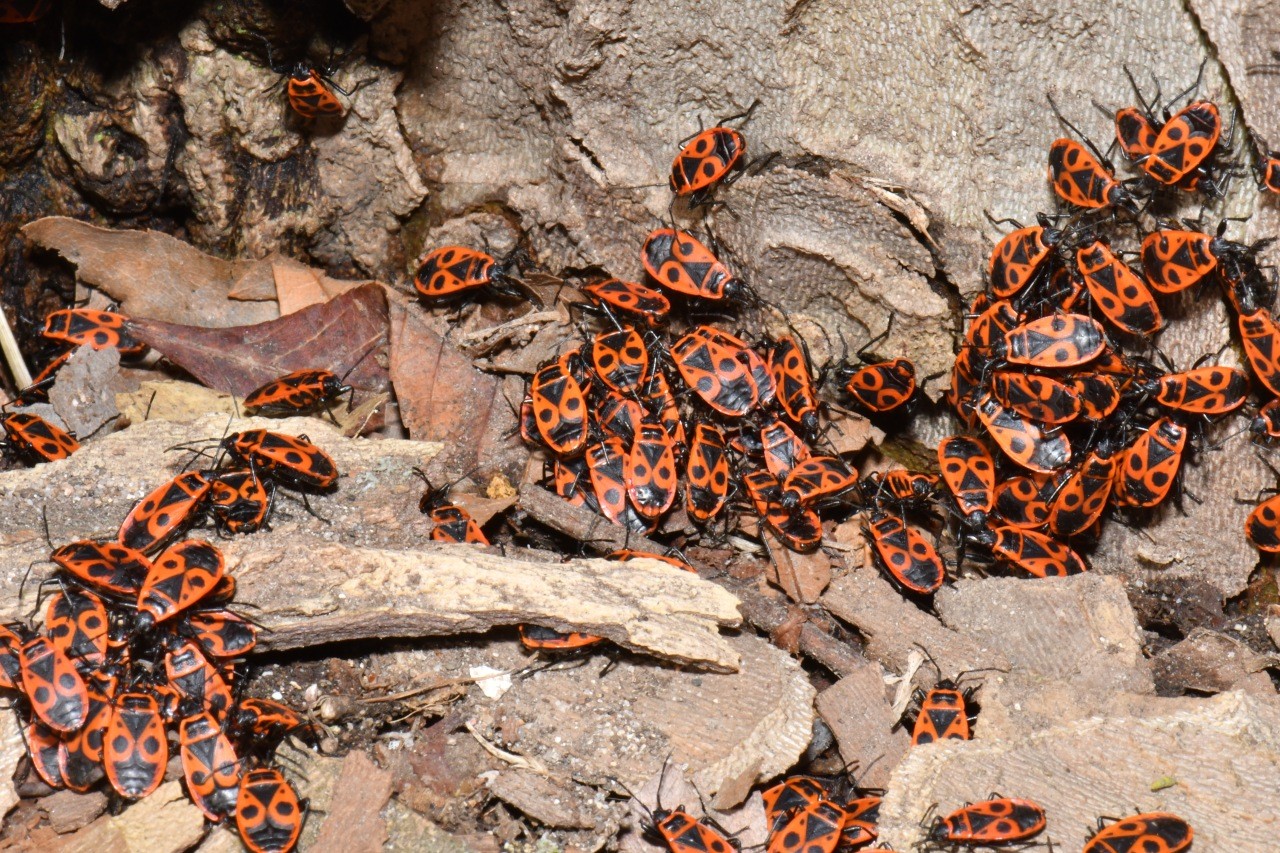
(311, 591)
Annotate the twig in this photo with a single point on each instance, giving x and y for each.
(520, 761)
(435, 685)
(594, 531)
(12, 356)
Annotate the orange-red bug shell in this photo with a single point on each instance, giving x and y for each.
(210, 765)
(53, 685)
(678, 262)
(707, 159)
(268, 813)
(37, 439)
(135, 749)
(163, 512)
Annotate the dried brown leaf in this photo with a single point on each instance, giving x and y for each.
(444, 398)
(152, 274)
(802, 577)
(334, 336)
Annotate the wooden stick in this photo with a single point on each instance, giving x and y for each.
(12, 356)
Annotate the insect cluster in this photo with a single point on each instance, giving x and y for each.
(139, 653)
(816, 814)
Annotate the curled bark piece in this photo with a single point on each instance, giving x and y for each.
(308, 591)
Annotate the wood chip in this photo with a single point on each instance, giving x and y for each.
(894, 626)
(68, 811)
(354, 822)
(861, 718)
(163, 822)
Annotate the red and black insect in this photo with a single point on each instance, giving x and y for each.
(999, 820)
(658, 400)
(1098, 393)
(1023, 501)
(1135, 132)
(944, 712)
(221, 633)
(298, 392)
(749, 358)
(53, 685)
(81, 759)
(1033, 552)
(707, 474)
(98, 330)
(572, 481)
(969, 472)
(239, 500)
(1260, 338)
(794, 792)
(882, 387)
(539, 638)
(293, 460)
(36, 440)
(1262, 528)
(264, 722)
(179, 577)
(76, 623)
(45, 746)
(1173, 261)
(135, 751)
(909, 557)
(1269, 172)
(678, 262)
(560, 409)
(799, 529)
(269, 815)
(818, 478)
(1151, 832)
(621, 360)
(1058, 340)
(631, 298)
(650, 471)
(606, 464)
(107, 566)
(1150, 466)
(681, 831)
(814, 828)
(452, 271)
(452, 523)
(1023, 441)
(209, 765)
(311, 93)
(1082, 497)
(38, 390)
(1185, 145)
(715, 373)
(1081, 180)
(1021, 257)
(1210, 390)
(1040, 398)
(782, 448)
(165, 511)
(1119, 292)
(197, 682)
(708, 159)
(788, 362)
